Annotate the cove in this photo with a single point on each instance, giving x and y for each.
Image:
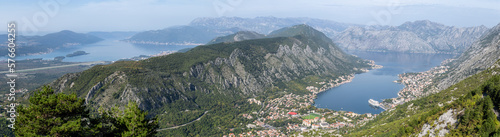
(376, 84)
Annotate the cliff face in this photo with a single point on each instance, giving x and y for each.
(411, 37)
(231, 70)
(480, 56)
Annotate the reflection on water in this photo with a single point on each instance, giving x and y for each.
(376, 84)
(374, 107)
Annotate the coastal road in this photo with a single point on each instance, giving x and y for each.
(53, 67)
(174, 127)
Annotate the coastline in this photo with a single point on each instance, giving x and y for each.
(414, 86)
(345, 79)
(161, 43)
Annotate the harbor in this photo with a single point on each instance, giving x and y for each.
(376, 104)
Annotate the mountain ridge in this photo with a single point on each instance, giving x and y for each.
(27, 45)
(236, 69)
(238, 36)
(475, 59)
(421, 36)
(211, 28)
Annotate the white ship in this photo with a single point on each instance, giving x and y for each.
(374, 103)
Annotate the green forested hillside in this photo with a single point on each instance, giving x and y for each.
(216, 79)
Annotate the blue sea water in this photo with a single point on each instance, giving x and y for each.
(106, 50)
(377, 84)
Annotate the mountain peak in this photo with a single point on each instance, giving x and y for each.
(301, 29)
(65, 32)
(421, 23)
(238, 36)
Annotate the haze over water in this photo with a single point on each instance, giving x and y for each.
(107, 50)
(377, 84)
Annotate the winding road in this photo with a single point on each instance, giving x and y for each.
(174, 127)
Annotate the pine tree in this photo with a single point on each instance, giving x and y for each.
(4, 130)
(133, 122)
(51, 114)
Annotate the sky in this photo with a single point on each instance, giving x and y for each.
(41, 16)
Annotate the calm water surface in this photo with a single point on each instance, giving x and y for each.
(377, 84)
(106, 50)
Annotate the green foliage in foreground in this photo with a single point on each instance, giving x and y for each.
(4, 129)
(51, 114)
(58, 114)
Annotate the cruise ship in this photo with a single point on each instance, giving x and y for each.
(374, 103)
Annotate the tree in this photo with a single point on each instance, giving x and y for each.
(51, 114)
(133, 122)
(4, 130)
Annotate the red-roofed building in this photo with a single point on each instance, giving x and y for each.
(292, 113)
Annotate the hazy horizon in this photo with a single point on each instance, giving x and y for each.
(133, 15)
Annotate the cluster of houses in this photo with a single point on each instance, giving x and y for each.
(253, 100)
(316, 123)
(263, 133)
(332, 83)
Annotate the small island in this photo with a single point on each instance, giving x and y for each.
(77, 53)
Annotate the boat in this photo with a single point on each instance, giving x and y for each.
(374, 102)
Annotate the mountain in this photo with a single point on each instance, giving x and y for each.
(216, 78)
(241, 68)
(413, 37)
(47, 43)
(475, 59)
(238, 36)
(202, 30)
(469, 95)
(180, 35)
(266, 25)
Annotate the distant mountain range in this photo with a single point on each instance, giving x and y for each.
(411, 37)
(180, 35)
(27, 45)
(113, 35)
(266, 25)
(203, 30)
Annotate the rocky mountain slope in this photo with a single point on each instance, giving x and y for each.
(412, 37)
(213, 73)
(476, 58)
